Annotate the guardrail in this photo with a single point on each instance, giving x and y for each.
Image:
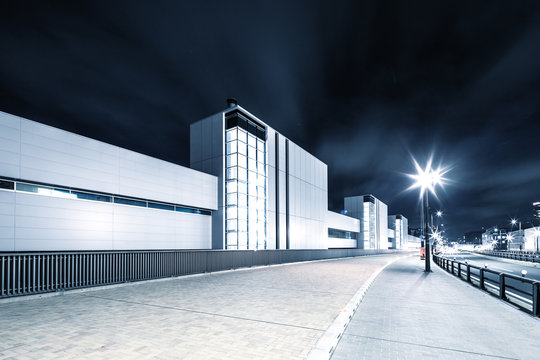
(516, 255)
(28, 273)
(520, 291)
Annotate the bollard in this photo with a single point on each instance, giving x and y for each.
(502, 290)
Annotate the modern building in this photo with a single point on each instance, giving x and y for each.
(373, 216)
(249, 187)
(272, 194)
(397, 231)
(495, 237)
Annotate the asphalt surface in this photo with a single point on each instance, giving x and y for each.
(513, 267)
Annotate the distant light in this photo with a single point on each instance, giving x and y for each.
(428, 178)
(439, 213)
(523, 273)
(496, 229)
(514, 221)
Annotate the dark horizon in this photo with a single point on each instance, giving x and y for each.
(362, 86)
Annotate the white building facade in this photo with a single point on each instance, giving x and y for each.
(272, 194)
(398, 226)
(373, 216)
(62, 191)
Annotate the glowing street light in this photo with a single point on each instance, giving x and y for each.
(439, 213)
(427, 179)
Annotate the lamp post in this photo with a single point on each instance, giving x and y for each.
(427, 179)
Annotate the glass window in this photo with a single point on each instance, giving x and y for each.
(252, 153)
(9, 185)
(231, 134)
(242, 225)
(232, 186)
(260, 144)
(232, 147)
(160, 206)
(232, 225)
(232, 199)
(261, 180)
(231, 212)
(242, 188)
(242, 200)
(242, 148)
(242, 174)
(242, 135)
(252, 164)
(88, 196)
(260, 192)
(260, 157)
(242, 213)
(252, 188)
(242, 240)
(252, 176)
(242, 161)
(260, 169)
(232, 160)
(252, 141)
(123, 201)
(27, 188)
(232, 173)
(232, 238)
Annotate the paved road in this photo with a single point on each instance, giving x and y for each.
(265, 313)
(513, 267)
(408, 314)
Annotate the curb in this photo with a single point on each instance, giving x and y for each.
(327, 343)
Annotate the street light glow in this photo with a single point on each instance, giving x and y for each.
(439, 213)
(428, 178)
(513, 221)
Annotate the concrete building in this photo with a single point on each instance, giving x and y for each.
(373, 216)
(397, 231)
(249, 187)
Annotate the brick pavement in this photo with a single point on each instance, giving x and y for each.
(407, 314)
(263, 313)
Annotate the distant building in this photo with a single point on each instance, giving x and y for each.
(397, 231)
(473, 237)
(536, 210)
(373, 216)
(496, 237)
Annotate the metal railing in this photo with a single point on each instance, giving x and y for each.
(520, 291)
(531, 256)
(27, 273)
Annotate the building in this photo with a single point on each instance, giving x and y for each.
(63, 191)
(473, 237)
(495, 237)
(531, 239)
(249, 187)
(272, 194)
(536, 210)
(397, 231)
(373, 216)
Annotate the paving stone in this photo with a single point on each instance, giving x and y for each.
(263, 313)
(408, 314)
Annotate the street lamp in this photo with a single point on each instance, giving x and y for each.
(427, 179)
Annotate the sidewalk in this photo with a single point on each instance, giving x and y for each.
(276, 312)
(408, 314)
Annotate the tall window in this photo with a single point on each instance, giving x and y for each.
(245, 190)
(369, 225)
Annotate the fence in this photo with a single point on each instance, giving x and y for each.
(40, 272)
(516, 255)
(520, 291)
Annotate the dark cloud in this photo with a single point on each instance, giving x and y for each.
(362, 85)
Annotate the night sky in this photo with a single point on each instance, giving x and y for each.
(363, 86)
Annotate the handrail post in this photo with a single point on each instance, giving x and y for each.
(502, 290)
(453, 267)
(482, 279)
(459, 269)
(536, 298)
(469, 273)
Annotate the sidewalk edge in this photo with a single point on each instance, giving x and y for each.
(327, 343)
